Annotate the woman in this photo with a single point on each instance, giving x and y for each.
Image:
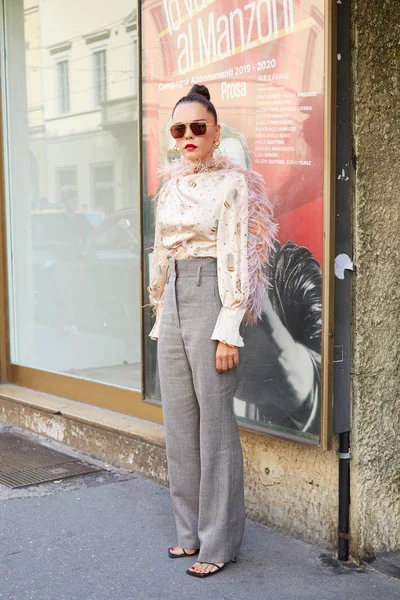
(212, 234)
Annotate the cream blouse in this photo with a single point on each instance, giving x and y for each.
(205, 215)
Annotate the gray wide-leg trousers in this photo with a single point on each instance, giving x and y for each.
(205, 462)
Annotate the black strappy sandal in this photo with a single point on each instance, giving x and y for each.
(202, 575)
(184, 553)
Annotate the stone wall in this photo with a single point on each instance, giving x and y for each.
(375, 468)
(292, 486)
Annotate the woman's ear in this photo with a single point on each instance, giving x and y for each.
(218, 133)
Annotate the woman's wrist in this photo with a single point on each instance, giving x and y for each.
(227, 326)
(226, 343)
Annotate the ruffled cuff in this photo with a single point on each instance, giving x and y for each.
(154, 333)
(227, 327)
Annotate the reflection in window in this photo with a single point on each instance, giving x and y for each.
(100, 77)
(134, 67)
(63, 86)
(119, 232)
(103, 187)
(66, 183)
(73, 284)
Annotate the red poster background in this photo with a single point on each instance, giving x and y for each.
(268, 92)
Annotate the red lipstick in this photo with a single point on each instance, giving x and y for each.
(190, 147)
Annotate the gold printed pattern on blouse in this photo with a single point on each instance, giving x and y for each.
(230, 262)
(214, 228)
(172, 245)
(226, 204)
(238, 228)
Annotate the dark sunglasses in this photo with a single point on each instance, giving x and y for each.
(197, 128)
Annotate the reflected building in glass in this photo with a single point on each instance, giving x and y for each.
(74, 126)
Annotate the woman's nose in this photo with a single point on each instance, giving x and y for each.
(188, 133)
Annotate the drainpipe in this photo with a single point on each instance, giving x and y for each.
(344, 495)
(345, 165)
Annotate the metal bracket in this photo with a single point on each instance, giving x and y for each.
(344, 455)
(343, 262)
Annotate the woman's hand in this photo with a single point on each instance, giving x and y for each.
(226, 358)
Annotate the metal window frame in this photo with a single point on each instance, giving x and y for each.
(329, 226)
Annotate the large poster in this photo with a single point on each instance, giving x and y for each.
(263, 63)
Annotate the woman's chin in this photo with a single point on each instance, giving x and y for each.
(194, 155)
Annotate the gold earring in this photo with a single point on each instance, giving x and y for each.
(216, 145)
(176, 148)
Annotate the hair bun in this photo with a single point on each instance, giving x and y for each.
(199, 90)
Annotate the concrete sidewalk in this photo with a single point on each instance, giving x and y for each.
(105, 536)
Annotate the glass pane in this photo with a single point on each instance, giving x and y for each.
(263, 64)
(72, 184)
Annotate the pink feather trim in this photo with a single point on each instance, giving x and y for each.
(262, 228)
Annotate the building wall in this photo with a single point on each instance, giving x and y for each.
(292, 486)
(375, 471)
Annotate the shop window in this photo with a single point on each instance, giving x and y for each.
(73, 260)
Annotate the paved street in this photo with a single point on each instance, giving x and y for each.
(105, 535)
